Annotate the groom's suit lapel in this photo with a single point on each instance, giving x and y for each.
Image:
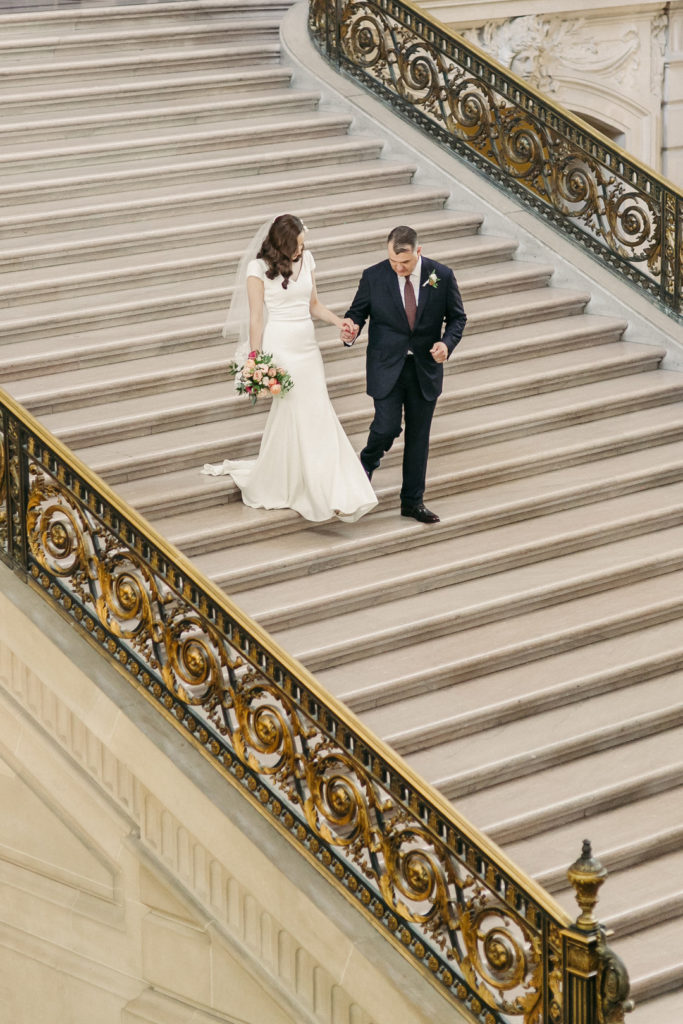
(395, 291)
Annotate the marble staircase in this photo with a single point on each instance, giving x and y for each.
(526, 655)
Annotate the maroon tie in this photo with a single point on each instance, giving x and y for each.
(411, 306)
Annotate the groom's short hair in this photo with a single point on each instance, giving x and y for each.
(402, 239)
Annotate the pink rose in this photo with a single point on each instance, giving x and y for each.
(275, 388)
(258, 374)
(253, 354)
(249, 364)
(272, 372)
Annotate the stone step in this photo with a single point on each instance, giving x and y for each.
(354, 209)
(216, 402)
(212, 293)
(87, 19)
(65, 48)
(621, 781)
(107, 136)
(131, 99)
(185, 207)
(332, 592)
(625, 836)
(666, 1006)
(173, 452)
(197, 163)
(129, 273)
(437, 661)
(66, 74)
(262, 561)
(553, 737)
(87, 386)
(531, 592)
(210, 530)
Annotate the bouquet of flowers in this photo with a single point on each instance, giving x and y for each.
(259, 375)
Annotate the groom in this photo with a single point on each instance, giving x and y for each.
(416, 320)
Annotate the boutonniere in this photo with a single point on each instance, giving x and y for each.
(432, 280)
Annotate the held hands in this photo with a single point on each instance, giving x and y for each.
(439, 352)
(349, 331)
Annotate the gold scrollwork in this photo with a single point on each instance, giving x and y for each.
(128, 595)
(3, 492)
(56, 528)
(504, 961)
(197, 662)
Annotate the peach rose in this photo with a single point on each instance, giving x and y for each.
(275, 388)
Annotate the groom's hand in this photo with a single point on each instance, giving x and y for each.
(439, 352)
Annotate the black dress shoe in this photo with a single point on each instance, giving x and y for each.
(419, 512)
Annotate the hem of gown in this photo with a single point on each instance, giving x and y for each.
(222, 469)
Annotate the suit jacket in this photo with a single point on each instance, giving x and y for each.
(440, 317)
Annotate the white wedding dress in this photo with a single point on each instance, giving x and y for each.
(306, 461)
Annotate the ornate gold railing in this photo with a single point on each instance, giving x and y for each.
(620, 210)
(447, 897)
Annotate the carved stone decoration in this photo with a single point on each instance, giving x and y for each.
(535, 48)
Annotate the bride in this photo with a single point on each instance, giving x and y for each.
(306, 461)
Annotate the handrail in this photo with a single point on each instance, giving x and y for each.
(620, 210)
(442, 892)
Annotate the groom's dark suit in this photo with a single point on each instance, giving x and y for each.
(396, 380)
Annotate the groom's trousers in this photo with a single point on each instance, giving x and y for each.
(405, 397)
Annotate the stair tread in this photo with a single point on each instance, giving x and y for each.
(245, 192)
(211, 442)
(494, 645)
(548, 371)
(468, 417)
(476, 509)
(461, 556)
(549, 580)
(210, 278)
(232, 231)
(536, 736)
(219, 254)
(521, 807)
(609, 831)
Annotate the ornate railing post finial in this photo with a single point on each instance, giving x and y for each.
(586, 875)
(597, 983)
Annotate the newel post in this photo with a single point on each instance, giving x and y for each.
(596, 983)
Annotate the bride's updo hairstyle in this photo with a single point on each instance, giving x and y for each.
(279, 246)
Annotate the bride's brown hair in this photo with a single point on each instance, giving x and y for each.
(279, 246)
